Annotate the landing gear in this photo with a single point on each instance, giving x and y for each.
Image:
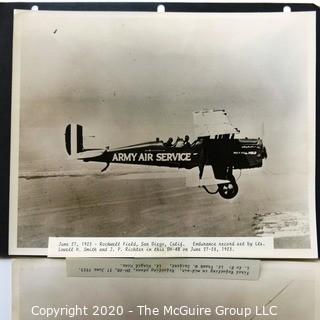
(228, 190)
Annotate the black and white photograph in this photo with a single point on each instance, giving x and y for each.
(163, 125)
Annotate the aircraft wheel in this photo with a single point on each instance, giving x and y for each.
(228, 190)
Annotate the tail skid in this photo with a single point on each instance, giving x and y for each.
(106, 167)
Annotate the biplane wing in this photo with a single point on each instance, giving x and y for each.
(212, 123)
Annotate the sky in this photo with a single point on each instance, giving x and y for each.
(132, 77)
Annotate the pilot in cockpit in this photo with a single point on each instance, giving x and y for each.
(169, 142)
(179, 143)
(186, 142)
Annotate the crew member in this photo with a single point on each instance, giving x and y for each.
(169, 142)
(186, 142)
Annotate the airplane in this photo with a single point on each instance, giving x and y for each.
(215, 146)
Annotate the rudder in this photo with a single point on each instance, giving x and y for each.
(74, 139)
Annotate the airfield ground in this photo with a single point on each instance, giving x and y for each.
(147, 205)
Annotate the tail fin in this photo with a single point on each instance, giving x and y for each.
(74, 139)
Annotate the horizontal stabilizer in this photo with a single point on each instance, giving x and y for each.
(89, 154)
(74, 143)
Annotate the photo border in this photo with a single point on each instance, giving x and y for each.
(6, 36)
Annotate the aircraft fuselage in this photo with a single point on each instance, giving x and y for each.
(237, 153)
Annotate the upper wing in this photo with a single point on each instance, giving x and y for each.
(211, 123)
